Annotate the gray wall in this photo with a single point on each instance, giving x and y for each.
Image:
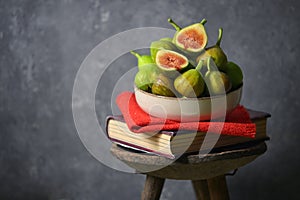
(42, 46)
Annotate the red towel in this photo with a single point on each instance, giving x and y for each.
(237, 123)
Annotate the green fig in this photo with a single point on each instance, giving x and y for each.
(192, 38)
(171, 62)
(163, 86)
(145, 77)
(190, 83)
(216, 53)
(142, 59)
(235, 74)
(217, 82)
(161, 44)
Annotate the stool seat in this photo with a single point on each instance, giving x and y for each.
(207, 172)
(190, 167)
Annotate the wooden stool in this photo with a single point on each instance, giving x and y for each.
(206, 173)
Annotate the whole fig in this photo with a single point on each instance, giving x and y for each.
(235, 74)
(217, 82)
(163, 86)
(145, 77)
(216, 53)
(190, 83)
(142, 59)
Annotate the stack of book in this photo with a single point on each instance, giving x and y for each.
(170, 144)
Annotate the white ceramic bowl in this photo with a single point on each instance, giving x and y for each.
(188, 109)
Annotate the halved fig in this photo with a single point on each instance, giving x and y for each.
(192, 38)
(168, 60)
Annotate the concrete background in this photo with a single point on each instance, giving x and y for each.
(42, 44)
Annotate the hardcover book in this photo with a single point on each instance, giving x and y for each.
(173, 143)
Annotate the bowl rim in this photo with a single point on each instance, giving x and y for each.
(186, 98)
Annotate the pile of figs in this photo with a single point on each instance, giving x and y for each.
(183, 66)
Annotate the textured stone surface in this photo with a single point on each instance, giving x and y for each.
(42, 44)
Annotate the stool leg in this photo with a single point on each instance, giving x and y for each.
(153, 187)
(218, 188)
(201, 189)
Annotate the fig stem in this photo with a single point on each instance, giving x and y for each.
(203, 21)
(220, 37)
(138, 56)
(208, 64)
(177, 28)
(199, 65)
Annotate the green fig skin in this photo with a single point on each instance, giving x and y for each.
(190, 83)
(163, 86)
(145, 77)
(142, 59)
(145, 60)
(166, 39)
(217, 54)
(205, 92)
(217, 82)
(235, 74)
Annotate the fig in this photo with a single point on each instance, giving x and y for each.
(171, 61)
(145, 77)
(235, 74)
(217, 82)
(216, 53)
(192, 38)
(163, 86)
(190, 83)
(161, 44)
(142, 59)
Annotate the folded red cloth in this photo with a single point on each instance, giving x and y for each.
(237, 123)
